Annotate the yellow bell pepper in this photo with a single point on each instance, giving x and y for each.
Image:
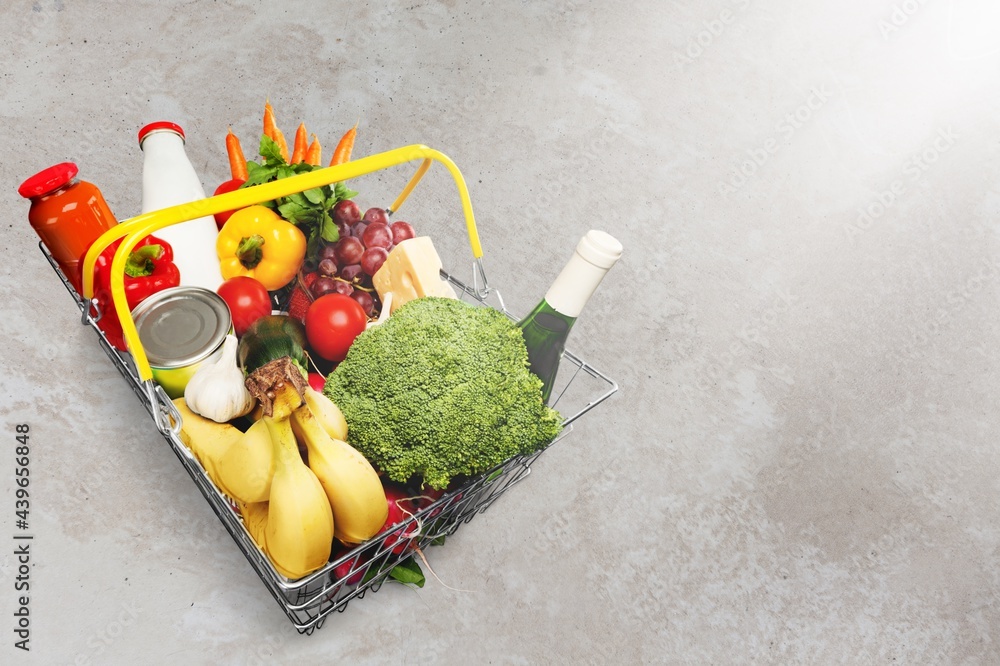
(257, 242)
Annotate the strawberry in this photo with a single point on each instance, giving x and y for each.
(301, 298)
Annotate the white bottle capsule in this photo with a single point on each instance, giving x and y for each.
(169, 179)
(595, 254)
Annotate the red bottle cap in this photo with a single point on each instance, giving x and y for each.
(160, 125)
(48, 180)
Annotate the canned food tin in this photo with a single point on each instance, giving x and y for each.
(180, 328)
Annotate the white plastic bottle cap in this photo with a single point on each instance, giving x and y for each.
(600, 248)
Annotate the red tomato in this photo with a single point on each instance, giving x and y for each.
(247, 299)
(332, 323)
(227, 186)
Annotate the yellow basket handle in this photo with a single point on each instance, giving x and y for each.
(135, 229)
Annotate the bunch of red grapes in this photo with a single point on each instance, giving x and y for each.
(347, 266)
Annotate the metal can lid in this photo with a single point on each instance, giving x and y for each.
(181, 326)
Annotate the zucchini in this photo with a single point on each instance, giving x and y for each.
(272, 337)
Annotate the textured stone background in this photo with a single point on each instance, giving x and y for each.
(800, 466)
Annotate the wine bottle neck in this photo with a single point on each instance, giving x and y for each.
(574, 286)
(546, 318)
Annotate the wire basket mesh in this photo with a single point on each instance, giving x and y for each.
(350, 574)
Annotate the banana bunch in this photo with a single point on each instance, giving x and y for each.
(299, 532)
(207, 440)
(292, 510)
(255, 520)
(351, 484)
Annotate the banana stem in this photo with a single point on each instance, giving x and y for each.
(278, 385)
(283, 440)
(287, 398)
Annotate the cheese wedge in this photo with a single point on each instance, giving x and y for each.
(411, 271)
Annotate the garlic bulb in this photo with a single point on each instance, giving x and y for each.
(216, 390)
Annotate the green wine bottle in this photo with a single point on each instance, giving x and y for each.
(548, 325)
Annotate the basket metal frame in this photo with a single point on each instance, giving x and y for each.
(308, 601)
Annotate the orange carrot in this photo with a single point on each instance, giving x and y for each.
(279, 138)
(270, 126)
(299, 151)
(314, 154)
(343, 151)
(237, 162)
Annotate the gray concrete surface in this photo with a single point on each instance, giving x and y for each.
(800, 466)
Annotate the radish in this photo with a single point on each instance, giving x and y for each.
(400, 510)
(344, 569)
(429, 497)
(317, 381)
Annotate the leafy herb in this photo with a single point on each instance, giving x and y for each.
(408, 572)
(308, 210)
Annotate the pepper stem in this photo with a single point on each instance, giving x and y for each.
(140, 261)
(250, 251)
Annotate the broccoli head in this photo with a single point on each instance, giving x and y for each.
(441, 389)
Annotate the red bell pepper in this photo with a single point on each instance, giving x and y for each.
(150, 268)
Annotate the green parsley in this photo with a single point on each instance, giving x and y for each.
(308, 210)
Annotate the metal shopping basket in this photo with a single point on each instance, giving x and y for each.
(309, 600)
